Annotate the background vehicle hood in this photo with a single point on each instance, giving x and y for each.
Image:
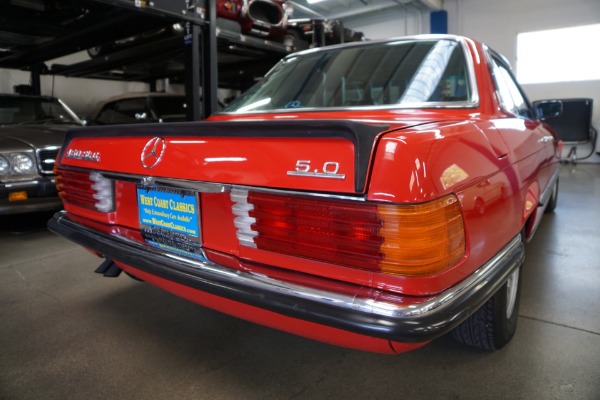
(19, 137)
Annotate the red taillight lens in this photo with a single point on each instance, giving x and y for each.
(87, 189)
(409, 240)
(340, 232)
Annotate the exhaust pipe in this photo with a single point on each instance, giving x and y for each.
(265, 11)
(109, 269)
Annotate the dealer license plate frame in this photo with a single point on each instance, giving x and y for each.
(169, 219)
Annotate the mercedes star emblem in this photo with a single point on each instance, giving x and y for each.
(153, 152)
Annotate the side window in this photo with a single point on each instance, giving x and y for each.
(105, 116)
(131, 111)
(511, 97)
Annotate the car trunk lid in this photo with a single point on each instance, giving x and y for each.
(321, 155)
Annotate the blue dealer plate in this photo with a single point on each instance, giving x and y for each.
(169, 220)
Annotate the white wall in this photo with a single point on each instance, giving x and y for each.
(390, 22)
(81, 95)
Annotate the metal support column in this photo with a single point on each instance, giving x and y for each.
(36, 71)
(192, 71)
(210, 77)
(201, 66)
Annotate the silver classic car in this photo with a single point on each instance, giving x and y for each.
(32, 129)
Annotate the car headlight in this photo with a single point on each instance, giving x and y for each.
(23, 164)
(4, 166)
(17, 166)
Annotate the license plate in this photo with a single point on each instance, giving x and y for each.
(169, 219)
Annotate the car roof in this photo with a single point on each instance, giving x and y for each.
(133, 95)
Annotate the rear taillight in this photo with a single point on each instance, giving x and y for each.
(409, 240)
(87, 189)
(421, 239)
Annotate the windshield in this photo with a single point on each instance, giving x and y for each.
(34, 110)
(402, 73)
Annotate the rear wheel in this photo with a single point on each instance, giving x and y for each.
(494, 324)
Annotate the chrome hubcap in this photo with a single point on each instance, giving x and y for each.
(512, 284)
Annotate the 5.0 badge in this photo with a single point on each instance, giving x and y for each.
(329, 169)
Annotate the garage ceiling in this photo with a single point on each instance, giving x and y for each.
(342, 9)
(35, 32)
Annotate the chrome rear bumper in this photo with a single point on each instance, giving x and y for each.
(378, 314)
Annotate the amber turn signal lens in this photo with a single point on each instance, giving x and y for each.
(421, 240)
(17, 196)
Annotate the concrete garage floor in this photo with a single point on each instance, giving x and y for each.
(67, 333)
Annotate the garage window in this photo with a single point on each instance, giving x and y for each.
(559, 55)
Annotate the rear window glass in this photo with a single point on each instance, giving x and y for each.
(386, 74)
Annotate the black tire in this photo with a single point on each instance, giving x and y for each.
(490, 327)
(553, 199)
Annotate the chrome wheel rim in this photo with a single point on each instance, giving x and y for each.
(512, 284)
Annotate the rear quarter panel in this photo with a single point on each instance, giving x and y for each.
(423, 163)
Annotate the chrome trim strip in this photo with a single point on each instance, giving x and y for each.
(16, 185)
(548, 190)
(479, 277)
(43, 167)
(326, 175)
(364, 315)
(467, 51)
(332, 196)
(212, 187)
(198, 186)
(408, 106)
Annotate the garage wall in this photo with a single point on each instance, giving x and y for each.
(497, 23)
(81, 95)
(389, 22)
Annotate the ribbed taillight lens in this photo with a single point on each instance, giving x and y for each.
(409, 240)
(87, 189)
(328, 230)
